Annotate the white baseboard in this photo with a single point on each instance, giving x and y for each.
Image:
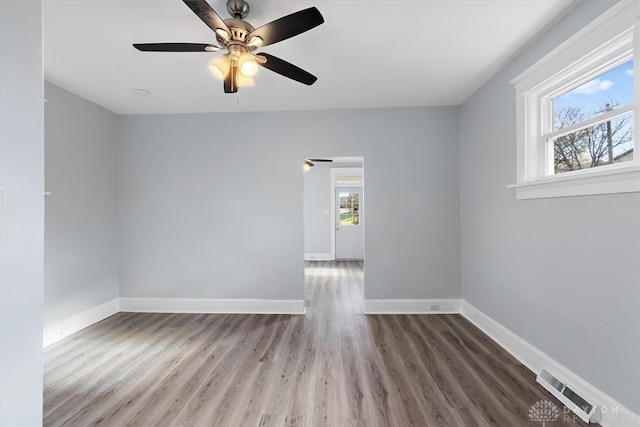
(412, 306)
(318, 257)
(204, 305)
(614, 414)
(58, 331)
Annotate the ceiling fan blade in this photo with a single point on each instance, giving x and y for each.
(176, 47)
(230, 85)
(287, 69)
(320, 160)
(288, 26)
(207, 14)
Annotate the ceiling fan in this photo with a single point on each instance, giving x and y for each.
(309, 163)
(240, 39)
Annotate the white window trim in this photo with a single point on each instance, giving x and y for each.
(602, 34)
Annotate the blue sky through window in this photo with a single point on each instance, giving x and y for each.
(614, 86)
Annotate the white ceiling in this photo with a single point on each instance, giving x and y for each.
(366, 54)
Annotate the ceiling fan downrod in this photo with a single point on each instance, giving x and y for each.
(239, 9)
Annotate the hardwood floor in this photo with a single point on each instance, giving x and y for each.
(332, 367)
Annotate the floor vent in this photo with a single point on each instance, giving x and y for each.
(587, 411)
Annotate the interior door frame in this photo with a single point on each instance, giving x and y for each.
(335, 174)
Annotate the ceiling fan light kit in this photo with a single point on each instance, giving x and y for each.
(219, 67)
(248, 66)
(239, 65)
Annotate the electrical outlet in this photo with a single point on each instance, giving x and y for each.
(434, 307)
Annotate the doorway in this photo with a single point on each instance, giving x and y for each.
(347, 213)
(334, 228)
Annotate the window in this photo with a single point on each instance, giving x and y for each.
(349, 208)
(592, 125)
(348, 179)
(577, 113)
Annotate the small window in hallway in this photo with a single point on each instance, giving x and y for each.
(349, 208)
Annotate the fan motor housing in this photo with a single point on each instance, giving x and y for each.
(239, 30)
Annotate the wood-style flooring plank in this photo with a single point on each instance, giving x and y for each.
(332, 367)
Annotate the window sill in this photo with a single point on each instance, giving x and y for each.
(608, 180)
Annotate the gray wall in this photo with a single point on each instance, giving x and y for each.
(316, 205)
(561, 273)
(81, 226)
(210, 212)
(21, 230)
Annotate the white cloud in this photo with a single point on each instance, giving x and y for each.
(593, 86)
(629, 72)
